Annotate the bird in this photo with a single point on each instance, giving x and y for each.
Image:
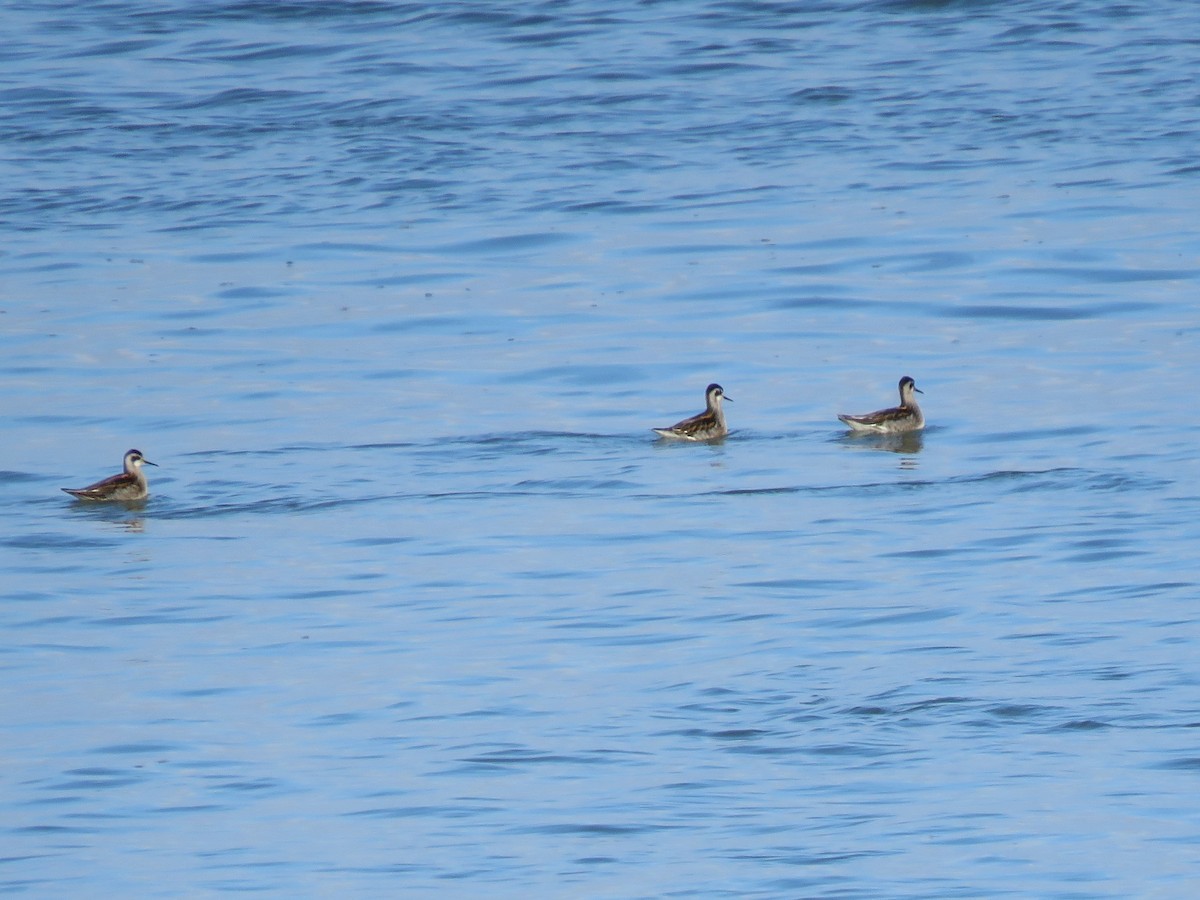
(897, 420)
(129, 485)
(707, 426)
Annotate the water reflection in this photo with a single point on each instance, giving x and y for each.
(910, 443)
(123, 515)
(135, 524)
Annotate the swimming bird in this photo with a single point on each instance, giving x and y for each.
(707, 426)
(129, 485)
(905, 417)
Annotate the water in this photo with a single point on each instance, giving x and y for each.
(393, 294)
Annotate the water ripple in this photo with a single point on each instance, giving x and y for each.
(392, 292)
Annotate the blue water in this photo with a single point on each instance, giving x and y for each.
(393, 293)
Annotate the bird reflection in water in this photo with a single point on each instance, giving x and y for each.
(907, 444)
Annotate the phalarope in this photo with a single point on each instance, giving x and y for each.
(707, 426)
(129, 485)
(905, 417)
